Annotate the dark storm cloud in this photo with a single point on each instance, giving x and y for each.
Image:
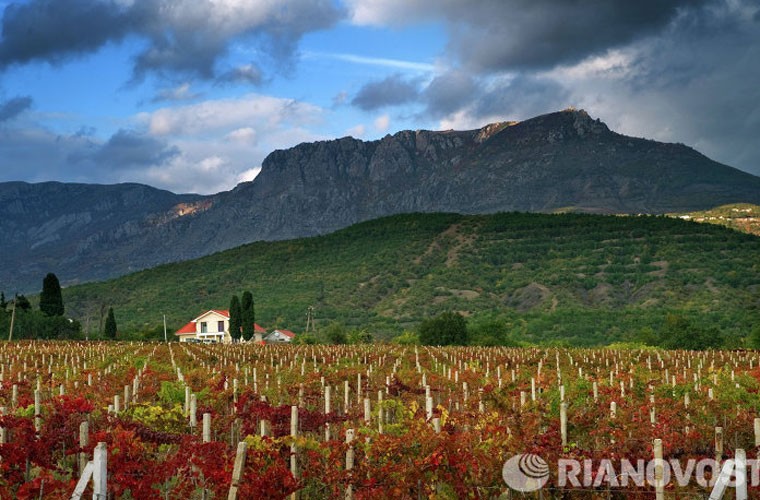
(52, 30)
(700, 82)
(523, 97)
(512, 34)
(449, 93)
(391, 91)
(184, 36)
(13, 107)
(128, 149)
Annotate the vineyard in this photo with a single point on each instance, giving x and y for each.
(374, 421)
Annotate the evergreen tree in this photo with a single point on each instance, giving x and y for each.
(51, 300)
(110, 326)
(247, 315)
(236, 317)
(22, 303)
(448, 328)
(3, 302)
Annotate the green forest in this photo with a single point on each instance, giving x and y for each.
(562, 279)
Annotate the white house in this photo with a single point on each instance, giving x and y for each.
(211, 326)
(279, 336)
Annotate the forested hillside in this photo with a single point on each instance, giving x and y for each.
(579, 279)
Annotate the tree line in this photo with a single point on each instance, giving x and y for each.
(21, 321)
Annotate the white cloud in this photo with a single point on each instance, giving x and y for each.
(245, 135)
(382, 123)
(219, 116)
(393, 12)
(248, 175)
(357, 131)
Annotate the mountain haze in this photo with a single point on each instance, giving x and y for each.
(564, 161)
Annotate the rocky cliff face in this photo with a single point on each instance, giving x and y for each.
(560, 161)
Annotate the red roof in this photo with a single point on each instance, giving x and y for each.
(287, 333)
(188, 328)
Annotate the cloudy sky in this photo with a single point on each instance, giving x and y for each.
(191, 95)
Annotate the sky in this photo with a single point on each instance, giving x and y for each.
(191, 95)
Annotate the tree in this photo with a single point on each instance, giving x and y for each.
(448, 328)
(335, 333)
(754, 337)
(236, 318)
(110, 327)
(3, 302)
(51, 300)
(248, 315)
(680, 333)
(22, 303)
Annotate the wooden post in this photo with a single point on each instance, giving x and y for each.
(37, 418)
(3, 435)
(187, 400)
(193, 412)
(757, 432)
(740, 473)
(84, 441)
(719, 444)
(206, 427)
(349, 462)
(563, 422)
(237, 470)
(367, 411)
(100, 473)
(293, 447)
(659, 484)
(327, 410)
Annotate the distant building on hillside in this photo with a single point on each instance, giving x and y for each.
(211, 327)
(279, 336)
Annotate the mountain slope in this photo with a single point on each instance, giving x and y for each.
(580, 278)
(563, 161)
(83, 231)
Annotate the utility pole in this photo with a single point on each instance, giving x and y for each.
(13, 318)
(309, 318)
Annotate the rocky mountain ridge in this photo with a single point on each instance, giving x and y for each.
(563, 161)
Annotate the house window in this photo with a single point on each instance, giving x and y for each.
(220, 326)
(204, 327)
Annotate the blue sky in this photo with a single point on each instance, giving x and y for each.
(191, 95)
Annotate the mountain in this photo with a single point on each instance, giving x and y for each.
(579, 278)
(84, 231)
(563, 161)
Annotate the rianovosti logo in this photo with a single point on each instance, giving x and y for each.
(527, 472)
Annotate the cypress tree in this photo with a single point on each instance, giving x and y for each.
(236, 317)
(247, 315)
(110, 326)
(51, 300)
